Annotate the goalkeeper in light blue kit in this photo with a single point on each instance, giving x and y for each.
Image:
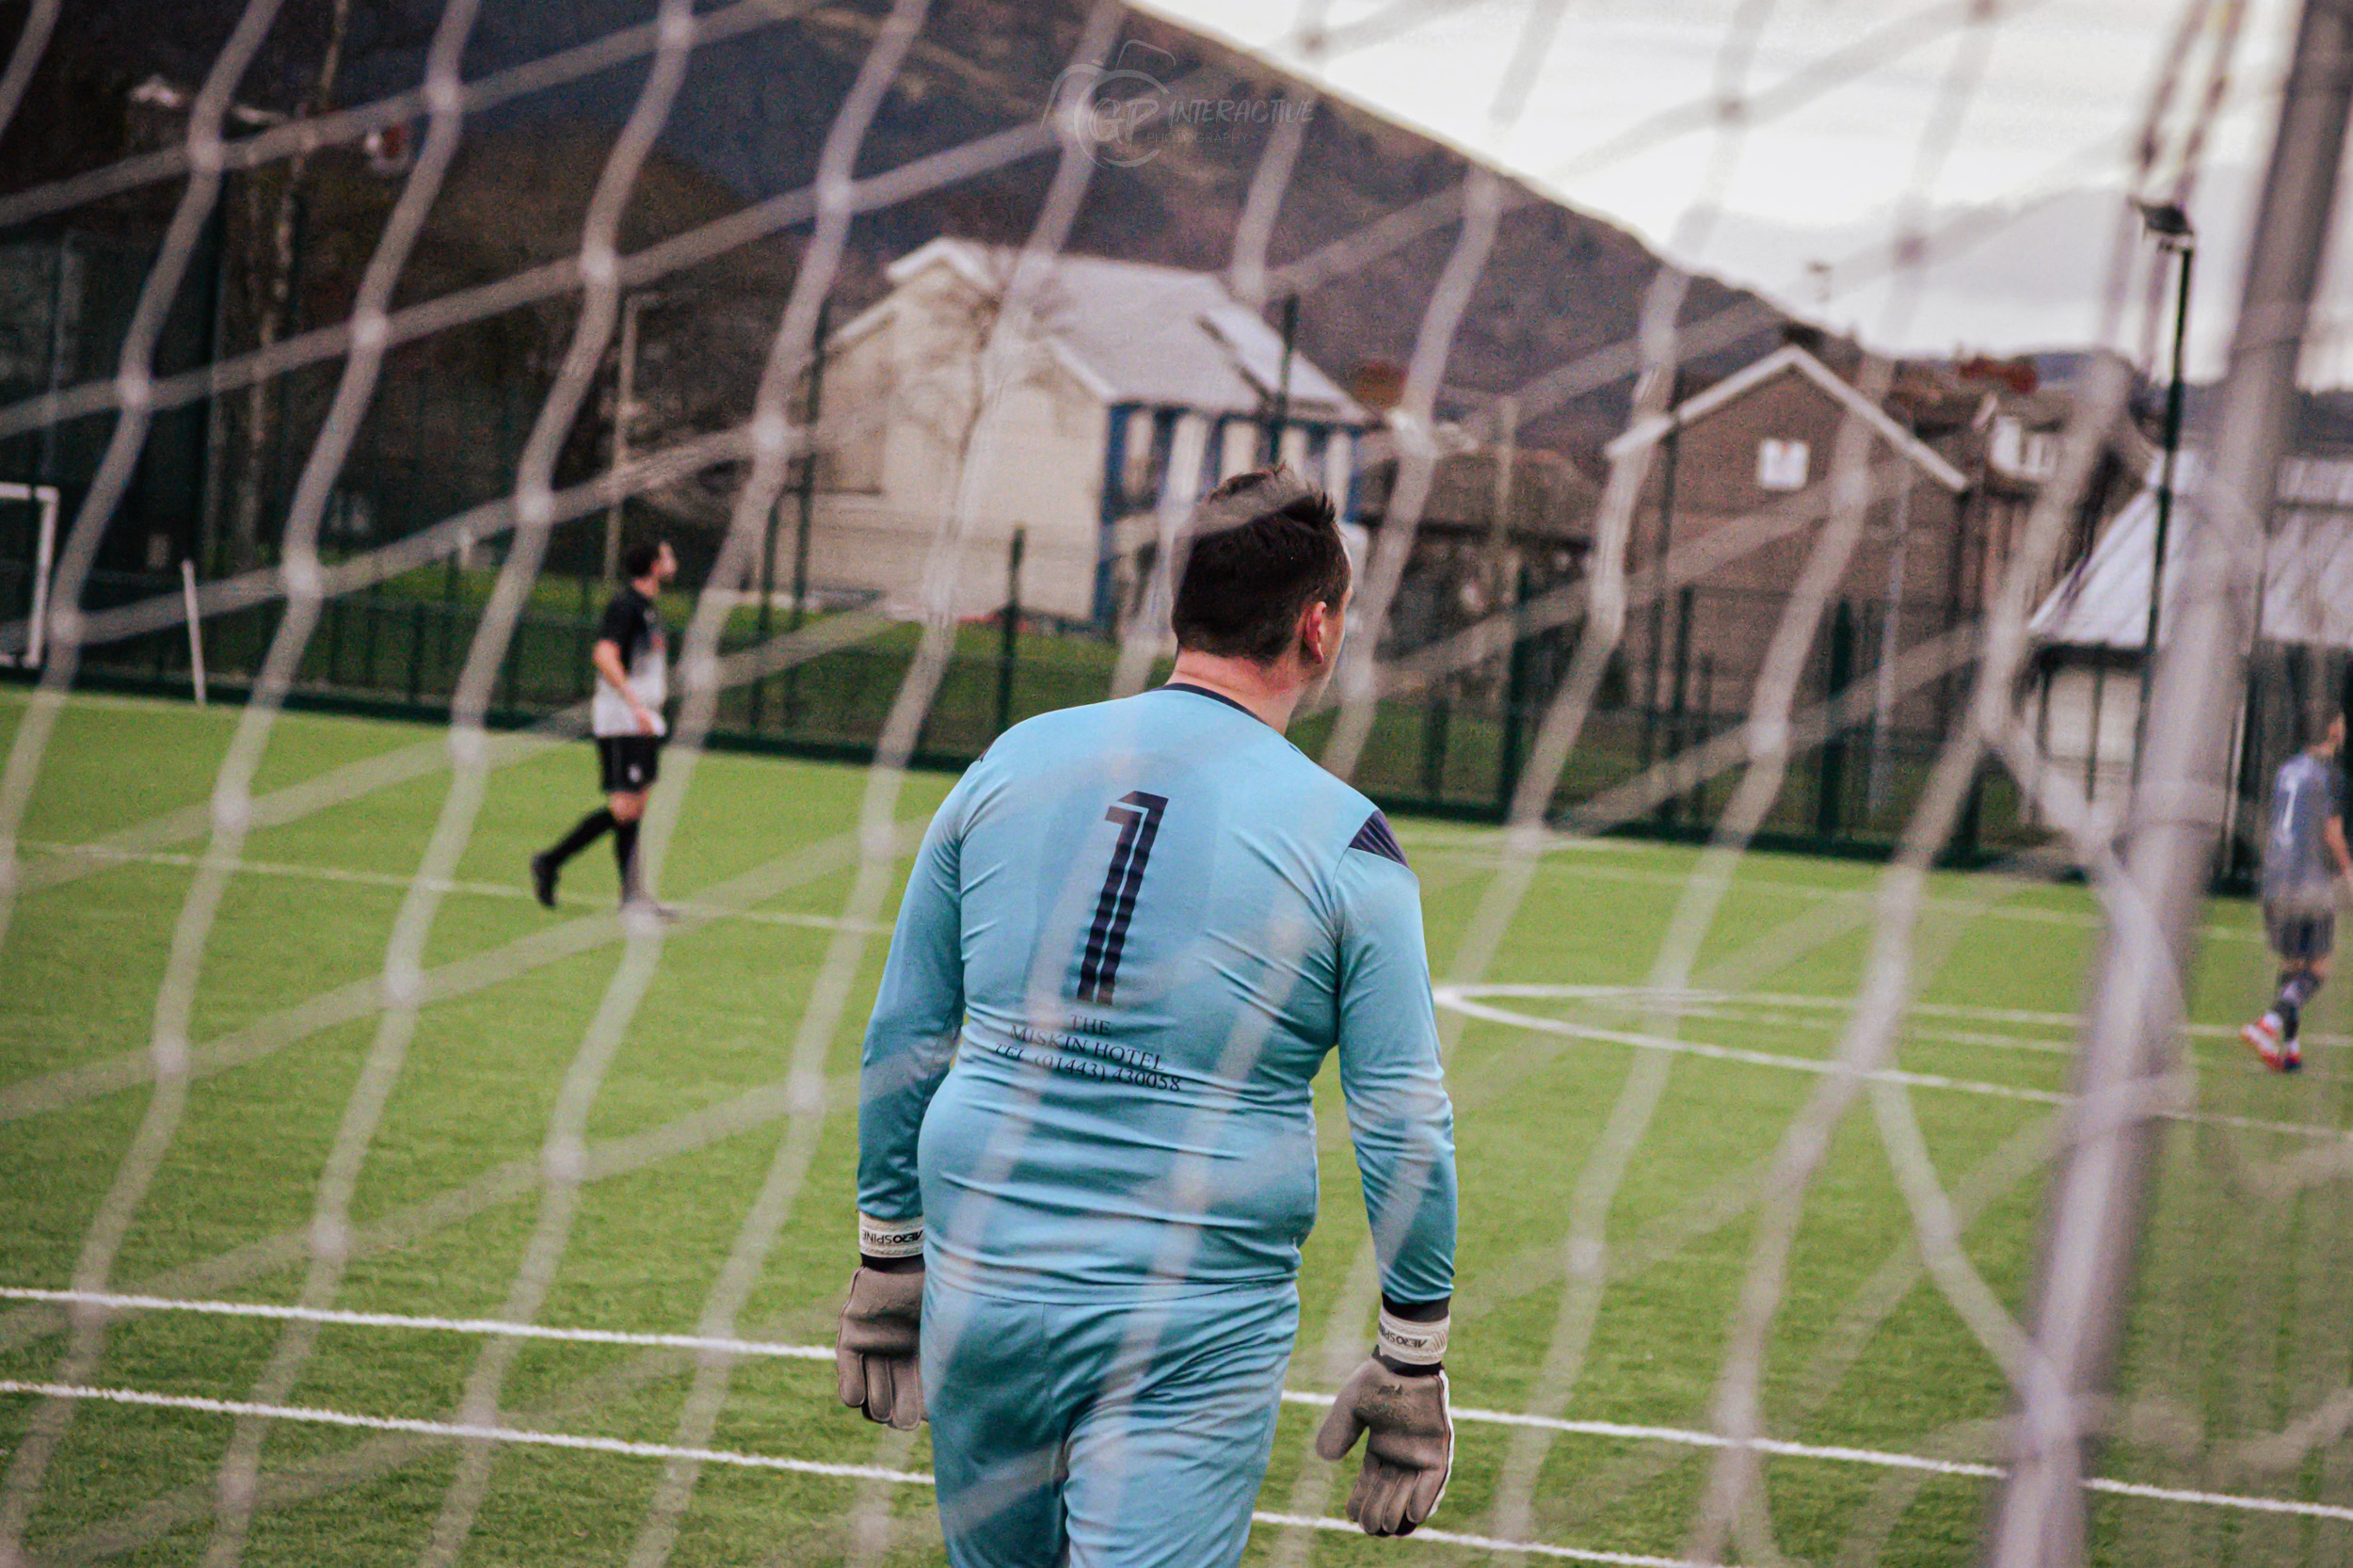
(1086, 1148)
(2304, 855)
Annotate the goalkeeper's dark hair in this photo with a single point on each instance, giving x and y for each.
(642, 559)
(1258, 551)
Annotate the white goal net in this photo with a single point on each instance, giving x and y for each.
(1859, 1161)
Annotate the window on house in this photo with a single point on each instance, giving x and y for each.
(2023, 454)
(1782, 465)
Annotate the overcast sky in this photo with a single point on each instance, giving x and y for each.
(2040, 106)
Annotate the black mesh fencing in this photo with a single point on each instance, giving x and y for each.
(1660, 755)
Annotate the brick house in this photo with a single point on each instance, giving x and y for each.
(1761, 438)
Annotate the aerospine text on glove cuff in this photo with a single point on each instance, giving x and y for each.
(1409, 1343)
(891, 1238)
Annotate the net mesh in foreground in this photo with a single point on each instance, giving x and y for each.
(1710, 1311)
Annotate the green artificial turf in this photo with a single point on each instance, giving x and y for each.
(2242, 1323)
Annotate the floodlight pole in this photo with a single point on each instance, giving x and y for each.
(2091, 1224)
(1283, 382)
(808, 493)
(624, 396)
(2174, 235)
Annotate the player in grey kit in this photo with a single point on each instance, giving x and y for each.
(2304, 854)
(632, 658)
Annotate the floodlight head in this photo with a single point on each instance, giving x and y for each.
(2167, 222)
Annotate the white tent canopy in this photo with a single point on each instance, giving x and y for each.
(2308, 572)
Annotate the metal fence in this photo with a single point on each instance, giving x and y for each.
(1454, 749)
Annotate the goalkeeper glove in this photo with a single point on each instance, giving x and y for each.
(1400, 1396)
(874, 1357)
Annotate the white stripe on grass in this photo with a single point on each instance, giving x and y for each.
(1686, 1437)
(581, 1441)
(584, 1442)
(392, 879)
(1637, 996)
(1454, 999)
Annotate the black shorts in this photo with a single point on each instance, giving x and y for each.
(628, 763)
(2299, 931)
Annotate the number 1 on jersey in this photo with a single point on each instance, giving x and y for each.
(1138, 815)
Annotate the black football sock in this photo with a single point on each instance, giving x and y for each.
(587, 831)
(625, 857)
(2295, 991)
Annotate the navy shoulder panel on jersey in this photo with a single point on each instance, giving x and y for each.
(1374, 837)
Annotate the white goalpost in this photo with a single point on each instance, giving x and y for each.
(44, 566)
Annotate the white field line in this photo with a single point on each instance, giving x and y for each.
(395, 1320)
(389, 879)
(870, 1472)
(1451, 997)
(1480, 1543)
(1467, 853)
(451, 1429)
(1619, 1430)
(1455, 999)
(1642, 996)
(724, 1456)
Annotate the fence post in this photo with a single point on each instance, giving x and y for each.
(416, 650)
(162, 641)
(1009, 644)
(196, 630)
(1436, 719)
(334, 609)
(449, 610)
(1706, 730)
(367, 644)
(1670, 455)
(1831, 781)
(1965, 847)
(754, 700)
(2241, 850)
(1515, 699)
(1679, 701)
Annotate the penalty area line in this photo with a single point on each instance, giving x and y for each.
(491, 1326)
(581, 1441)
(1638, 996)
(1458, 999)
(456, 1429)
(1452, 999)
(111, 854)
(1686, 1437)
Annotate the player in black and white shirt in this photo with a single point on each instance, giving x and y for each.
(631, 657)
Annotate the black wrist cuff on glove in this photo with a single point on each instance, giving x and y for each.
(1416, 1312)
(892, 1264)
(1407, 1369)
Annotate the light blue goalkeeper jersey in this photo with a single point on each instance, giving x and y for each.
(1132, 934)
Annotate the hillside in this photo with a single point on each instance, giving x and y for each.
(1560, 283)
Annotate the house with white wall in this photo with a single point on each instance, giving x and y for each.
(2093, 630)
(1133, 379)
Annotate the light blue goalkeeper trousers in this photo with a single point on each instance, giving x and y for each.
(1124, 1434)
